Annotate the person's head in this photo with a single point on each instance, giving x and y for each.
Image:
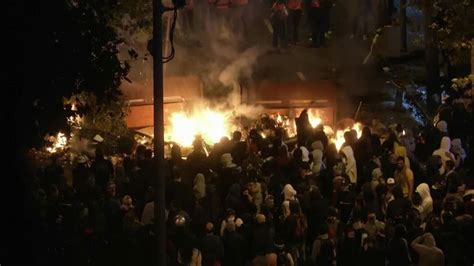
(447, 217)
(230, 214)
(450, 165)
(176, 173)
(226, 160)
(416, 199)
(270, 201)
(445, 144)
(140, 151)
(176, 151)
(442, 126)
(397, 192)
(237, 136)
(315, 192)
(323, 228)
(295, 207)
(400, 162)
(180, 221)
(260, 218)
(53, 191)
(399, 128)
(371, 217)
(148, 154)
(99, 153)
(127, 202)
(279, 244)
(347, 136)
(111, 189)
(366, 133)
(209, 228)
(198, 145)
(289, 192)
(400, 231)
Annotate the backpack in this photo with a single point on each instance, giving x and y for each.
(282, 259)
(301, 227)
(326, 255)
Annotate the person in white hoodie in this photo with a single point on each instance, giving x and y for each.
(289, 194)
(350, 163)
(426, 206)
(318, 164)
(199, 186)
(445, 153)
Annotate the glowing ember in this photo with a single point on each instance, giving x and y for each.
(59, 142)
(210, 125)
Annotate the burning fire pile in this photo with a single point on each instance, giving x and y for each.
(211, 125)
(58, 143)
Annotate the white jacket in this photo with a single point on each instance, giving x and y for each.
(351, 167)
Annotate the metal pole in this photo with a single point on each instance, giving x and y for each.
(403, 26)
(158, 135)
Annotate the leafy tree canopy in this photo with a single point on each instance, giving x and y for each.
(70, 48)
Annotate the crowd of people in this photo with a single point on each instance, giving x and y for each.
(389, 197)
(221, 17)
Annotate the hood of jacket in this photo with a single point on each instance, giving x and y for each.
(199, 186)
(456, 148)
(424, 190)
(445, 144)
(305, 152)
(289, 192)
(317, 145)
(234, 190)
(442, 126)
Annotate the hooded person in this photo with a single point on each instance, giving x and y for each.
(442, 127)
(226, 160)
(304, 154)
(445, 153)
(408, 140)
(429, 254)
(426, 206)
(289, 194)
(317, 145)
(458, 151)
(376, 175)
(233, 199)
(351, 167)
(318, 164)
(401, 151)
(404, 177)
(199, 186)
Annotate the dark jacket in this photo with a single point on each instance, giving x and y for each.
(261, 241)
(235, 248)
(397, 252)
(212, 249)
(397, 209)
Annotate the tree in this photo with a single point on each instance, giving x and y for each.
(403, 26)
(70, 48)
(454, 27)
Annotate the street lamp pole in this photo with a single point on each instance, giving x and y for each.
(158, 135)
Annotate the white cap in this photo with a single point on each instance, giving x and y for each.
(390, 181)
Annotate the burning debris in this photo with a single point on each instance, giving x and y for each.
(212, 125)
